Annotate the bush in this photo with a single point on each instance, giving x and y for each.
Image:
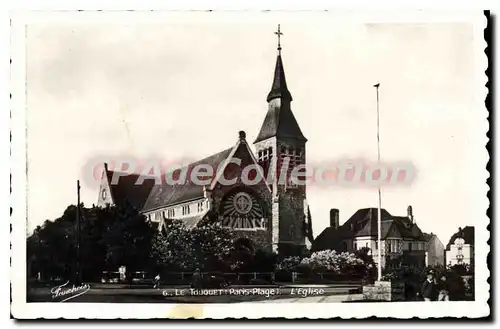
(346, 264)
(289, 263)
(263, 261)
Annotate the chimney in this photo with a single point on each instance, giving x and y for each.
(410, 213)
(334, 218)
(242, 135)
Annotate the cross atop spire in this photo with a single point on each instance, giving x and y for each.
(279, 34)
(279, 88)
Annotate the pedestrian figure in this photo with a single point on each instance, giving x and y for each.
(197, 278)
(157, 281)
(429, 288)
(444, 291)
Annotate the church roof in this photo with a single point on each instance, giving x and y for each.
(126, 190)
(167, 194)
(279, 120)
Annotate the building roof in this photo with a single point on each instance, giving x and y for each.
(429, 236)
(363, 223)
(408, 229)
(127, 190)
(331, 238)
(279, 120)
(359, 220)
(371, 229)
(467, 233)
(167, 194)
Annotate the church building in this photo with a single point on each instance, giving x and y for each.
(271, 214)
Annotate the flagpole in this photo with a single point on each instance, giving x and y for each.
(78, 274)
(379, 210)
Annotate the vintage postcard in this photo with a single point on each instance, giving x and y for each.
(249, 164)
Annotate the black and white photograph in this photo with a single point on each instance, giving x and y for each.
(249, 165)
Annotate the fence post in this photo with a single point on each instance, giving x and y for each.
(294, 275)
(254, 275)
(182, 276)
(273, 276)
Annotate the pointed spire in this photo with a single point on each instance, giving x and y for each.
(279, 88)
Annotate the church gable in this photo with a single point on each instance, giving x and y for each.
(240, 194)
(105, 197)
(240, 169)
(128, 189)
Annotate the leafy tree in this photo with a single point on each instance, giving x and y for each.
(207, 247)
(127, 239)
(51, 248)
(171, 250)
(109, 237)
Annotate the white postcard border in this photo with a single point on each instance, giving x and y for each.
(21, 309)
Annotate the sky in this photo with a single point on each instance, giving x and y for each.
(172, 90)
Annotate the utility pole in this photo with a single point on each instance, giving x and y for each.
(379, 210)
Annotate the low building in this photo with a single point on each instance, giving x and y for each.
(460, 248)
(434, 250)
(402, 241)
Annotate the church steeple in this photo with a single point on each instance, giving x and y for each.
(280, 139)
(280, 121)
